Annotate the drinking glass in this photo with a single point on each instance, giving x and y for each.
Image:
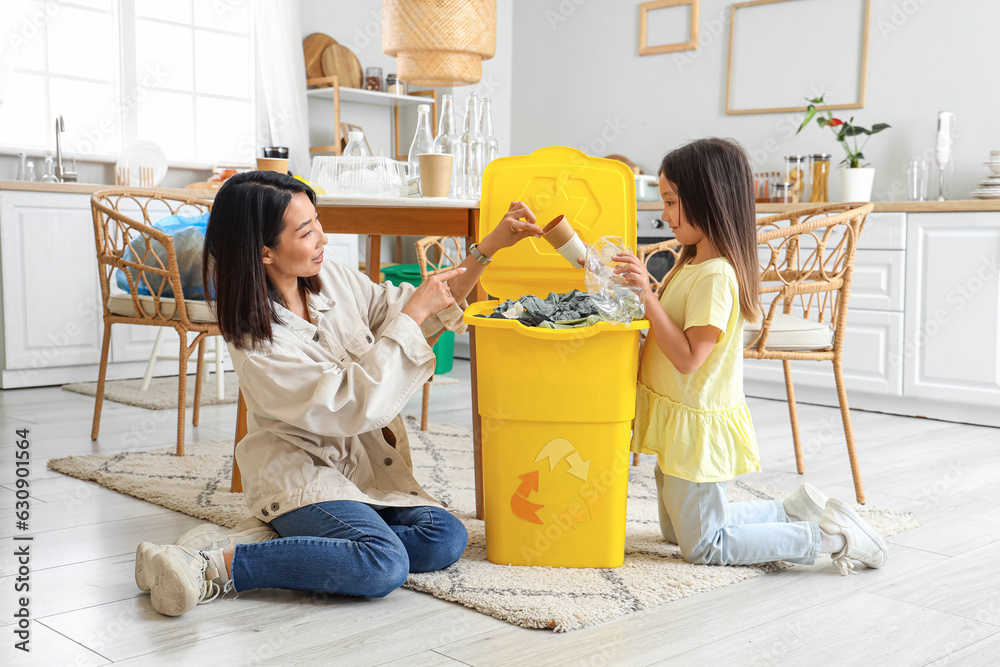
(917, 173)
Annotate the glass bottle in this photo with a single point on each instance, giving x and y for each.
(491, 148)
(446, 141)
(472, 150)
(50, 171)
(29, 171)
(22, 166)
(423, 142)
(820, 178)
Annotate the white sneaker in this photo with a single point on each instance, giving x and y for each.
(143, 556)
(208, 536)
(863, 543)
(180, 578)
(806, 503)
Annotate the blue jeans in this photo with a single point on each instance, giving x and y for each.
(344, 547)
(711, 531)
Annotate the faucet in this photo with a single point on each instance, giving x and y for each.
(62, 174)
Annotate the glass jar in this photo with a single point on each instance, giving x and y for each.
(373, 78)
(795, 174)
(394, 85)
(820, 178)
(783, 193)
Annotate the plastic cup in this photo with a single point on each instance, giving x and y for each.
(435, 174)
(279, 165)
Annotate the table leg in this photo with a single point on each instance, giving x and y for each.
(241, 430)
(373, 257)
(478, 294)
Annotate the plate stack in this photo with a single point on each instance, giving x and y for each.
(990, 188)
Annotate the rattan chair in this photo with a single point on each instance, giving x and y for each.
(117, 229)
(448, 252)
(806, 263)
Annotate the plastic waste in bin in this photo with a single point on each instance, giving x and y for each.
(444, 348)
(556, 406)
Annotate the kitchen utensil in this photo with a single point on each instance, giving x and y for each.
(942, 150)
(143, 154)
(279, 165)
(340, 61)
(647, 188)
(313, 47)
(435, 174)
(917, 176)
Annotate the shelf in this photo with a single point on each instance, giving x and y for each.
(367, 96)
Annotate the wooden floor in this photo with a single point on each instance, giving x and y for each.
(936, 602)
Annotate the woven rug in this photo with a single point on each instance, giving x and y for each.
(162, 392)
(560, 599)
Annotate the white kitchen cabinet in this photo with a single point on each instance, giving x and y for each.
(952, 324)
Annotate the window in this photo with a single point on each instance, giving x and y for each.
(179, 74)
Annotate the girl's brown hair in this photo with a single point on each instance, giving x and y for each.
(714, 186)
(248, 214)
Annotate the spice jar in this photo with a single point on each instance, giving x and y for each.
(795, 174)
(394, 85)
(820, 177)
(373, 78)
(783, 193)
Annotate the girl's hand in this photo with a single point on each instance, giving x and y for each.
(634, 271)
(518, 223)
(431, 296)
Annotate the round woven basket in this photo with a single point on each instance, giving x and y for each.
(439, 42)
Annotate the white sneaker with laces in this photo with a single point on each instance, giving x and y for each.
(143, 555)
(208, 536)
(863, 543)
(180, 578)
(806, 503)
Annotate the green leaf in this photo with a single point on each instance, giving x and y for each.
(823, 122)
(843, 132)
(853, 130)
(810, 112)
(878, 127)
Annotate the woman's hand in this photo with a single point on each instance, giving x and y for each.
(431, 296)
(634, 272)
(518, 223)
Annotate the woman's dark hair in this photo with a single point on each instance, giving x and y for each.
(714, 186)
(248, 214)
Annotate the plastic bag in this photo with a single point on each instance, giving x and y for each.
(189, 243)
(615, 299)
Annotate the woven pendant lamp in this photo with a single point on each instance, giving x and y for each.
(439, 42)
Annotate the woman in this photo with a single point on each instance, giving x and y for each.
(326, 359)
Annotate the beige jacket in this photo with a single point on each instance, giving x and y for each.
(323, 399)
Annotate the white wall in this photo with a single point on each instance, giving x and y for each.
(357, 25)
(579, 81)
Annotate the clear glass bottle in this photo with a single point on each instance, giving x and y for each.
(423, 142)
(491, 149)
(29, 171)
(22, 166)
(472, 150)
(50, 171)
(446, 141)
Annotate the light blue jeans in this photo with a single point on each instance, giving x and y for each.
(345, 547)
(712, 531)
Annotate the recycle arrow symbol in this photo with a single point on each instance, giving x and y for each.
(557, 449)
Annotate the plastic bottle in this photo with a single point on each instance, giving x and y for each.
(446, 141)
(472, 150)
(491, 148)
(356, 146)
(423, 142)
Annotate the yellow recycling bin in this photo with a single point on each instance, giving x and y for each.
(556, 404)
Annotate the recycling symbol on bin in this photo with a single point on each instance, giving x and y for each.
(594, 503)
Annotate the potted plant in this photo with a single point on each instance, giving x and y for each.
(855, 178)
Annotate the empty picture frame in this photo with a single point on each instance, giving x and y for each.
(783, 51)
(646, 7)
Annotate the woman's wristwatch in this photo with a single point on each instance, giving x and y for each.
(478, 256)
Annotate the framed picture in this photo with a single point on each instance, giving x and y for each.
(689, 44)
(783, 51)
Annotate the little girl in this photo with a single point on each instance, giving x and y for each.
(690, 408)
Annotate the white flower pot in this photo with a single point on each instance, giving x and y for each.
(856, 184)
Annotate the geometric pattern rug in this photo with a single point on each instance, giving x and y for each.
(560, 599)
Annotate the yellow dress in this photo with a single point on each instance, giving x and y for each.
(698, 425)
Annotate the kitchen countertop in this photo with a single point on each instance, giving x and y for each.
(954, 205)
(91, 188)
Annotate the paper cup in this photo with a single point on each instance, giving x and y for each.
(561, 235)
(279, 165)
(435, 174)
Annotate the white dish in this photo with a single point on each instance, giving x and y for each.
(143, 154)
(991, 196)
(994, 167)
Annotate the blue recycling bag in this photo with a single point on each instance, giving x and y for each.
(188, 234)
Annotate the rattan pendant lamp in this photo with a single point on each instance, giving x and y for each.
(439, 42)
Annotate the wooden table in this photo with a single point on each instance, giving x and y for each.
(375, 218)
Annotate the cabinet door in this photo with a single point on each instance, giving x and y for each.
(343, 249)
(872, 360)
(51, 295)
(952, 330)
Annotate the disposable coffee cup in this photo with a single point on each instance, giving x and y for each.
(435, 174)
(276, 151)
(279, 165)
(561, 236)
